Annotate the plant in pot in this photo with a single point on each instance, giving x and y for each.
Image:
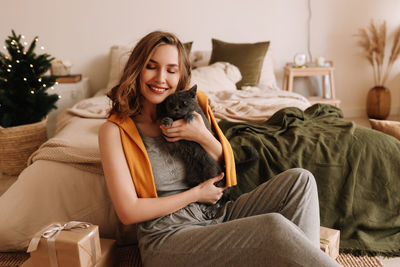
(24, 102)
(373, 42)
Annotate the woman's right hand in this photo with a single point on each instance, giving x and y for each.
(208, 192)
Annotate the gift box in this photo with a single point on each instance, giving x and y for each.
(74, 244)
(108, 255)
(329, 241)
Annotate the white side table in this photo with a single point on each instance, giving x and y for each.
(70, 94)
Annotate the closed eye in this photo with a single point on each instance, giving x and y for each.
(172, 70)
(150, 67)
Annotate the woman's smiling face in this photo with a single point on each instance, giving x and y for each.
(160, 76)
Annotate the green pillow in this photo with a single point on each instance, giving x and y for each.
(248, 57)
(188, 47)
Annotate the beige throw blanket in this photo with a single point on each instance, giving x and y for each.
(75, 141)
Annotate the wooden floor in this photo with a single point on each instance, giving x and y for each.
(7, 181)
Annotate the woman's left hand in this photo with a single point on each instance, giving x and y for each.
(181, 130)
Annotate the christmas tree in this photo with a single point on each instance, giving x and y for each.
(23, 84)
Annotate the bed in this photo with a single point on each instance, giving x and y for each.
(353, 165)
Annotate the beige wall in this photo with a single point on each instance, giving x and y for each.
(83, 31)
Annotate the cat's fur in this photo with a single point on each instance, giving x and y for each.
(200, 166)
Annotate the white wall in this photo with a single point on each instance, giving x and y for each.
(84, 30)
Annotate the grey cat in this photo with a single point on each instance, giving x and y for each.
(200, 166)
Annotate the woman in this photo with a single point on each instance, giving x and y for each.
(277, 224)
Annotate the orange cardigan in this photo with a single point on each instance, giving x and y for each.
(139, 162)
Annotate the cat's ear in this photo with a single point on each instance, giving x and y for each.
(193, 90)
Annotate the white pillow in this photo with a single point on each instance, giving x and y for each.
(119, 55)
(267, 78)
(216, 77)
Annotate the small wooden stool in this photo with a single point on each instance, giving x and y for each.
(291, 71)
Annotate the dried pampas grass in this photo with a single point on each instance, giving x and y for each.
(373, 41)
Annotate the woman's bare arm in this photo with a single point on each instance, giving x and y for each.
(131, 209)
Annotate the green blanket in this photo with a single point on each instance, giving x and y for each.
(357, 170)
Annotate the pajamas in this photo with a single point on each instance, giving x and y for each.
(277, 224)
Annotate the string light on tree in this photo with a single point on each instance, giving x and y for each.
(23, 83)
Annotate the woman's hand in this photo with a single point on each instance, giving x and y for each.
(195, 131)
(209, 193)
(181, 130)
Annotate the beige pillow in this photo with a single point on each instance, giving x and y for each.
(388, 127)
(119, 55)
(216, 77)
(248, 57)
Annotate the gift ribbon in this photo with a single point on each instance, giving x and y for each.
(52, 231)
(326, 242)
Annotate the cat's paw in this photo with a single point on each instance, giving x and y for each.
(189, 117)
(167, 121)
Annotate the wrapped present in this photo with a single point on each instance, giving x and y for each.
(329, 241)
(73, 244)
(108, 254)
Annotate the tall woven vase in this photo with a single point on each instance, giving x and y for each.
(378, 103)
(18, 143)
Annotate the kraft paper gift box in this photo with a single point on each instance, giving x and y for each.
(329, 241)
(108, 255)
(74, 244)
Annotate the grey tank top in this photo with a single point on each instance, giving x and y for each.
(168, 169)
(169, 177)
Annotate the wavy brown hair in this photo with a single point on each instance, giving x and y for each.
(125, 96)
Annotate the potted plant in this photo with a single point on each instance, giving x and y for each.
(373, 41)
(24, 102)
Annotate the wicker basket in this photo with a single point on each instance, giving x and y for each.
(18, 143)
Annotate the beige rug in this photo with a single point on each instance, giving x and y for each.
(129, 257)
(12, 258)
(358, 261)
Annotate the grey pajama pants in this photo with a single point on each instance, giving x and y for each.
(277, 224)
